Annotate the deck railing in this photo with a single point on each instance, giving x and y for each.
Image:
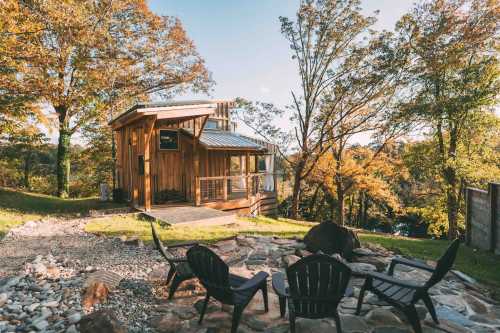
(223, 188)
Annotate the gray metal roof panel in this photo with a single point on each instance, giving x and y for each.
(223, 139)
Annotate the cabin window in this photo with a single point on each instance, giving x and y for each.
(141, 165)
(262, 164)
(212, 124)
(169, 140)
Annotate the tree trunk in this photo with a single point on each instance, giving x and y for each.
(27, 171)
(63, 158)
(296, 190)
(452, 205)
(364, 215)
(113, 157)
(451, 180)
(314, 199)
(349, 212)
(340, 203)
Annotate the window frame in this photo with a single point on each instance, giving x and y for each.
(169, 130)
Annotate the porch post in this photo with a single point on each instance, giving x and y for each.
(224, 180)
(247, 169)
(196, 167)
(148, 129)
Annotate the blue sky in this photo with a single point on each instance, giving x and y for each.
(242, 44)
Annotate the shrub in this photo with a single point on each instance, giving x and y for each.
(119, 195)
(168, 195)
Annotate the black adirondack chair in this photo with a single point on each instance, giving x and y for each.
(227, 288)
(179, 268)
(405, 294)
(317, 284)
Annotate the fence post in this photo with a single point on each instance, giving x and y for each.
(197, 191)
(224, 188)
(468, 228)
(493, 194)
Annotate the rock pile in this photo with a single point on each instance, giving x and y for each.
(43, 297)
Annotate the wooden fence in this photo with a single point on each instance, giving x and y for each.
(483, 218)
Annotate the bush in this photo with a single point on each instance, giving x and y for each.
(168, 195)
(119, 195)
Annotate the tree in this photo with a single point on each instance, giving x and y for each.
(367, 174)
(477, 163)
(82, 58)
(321, 36)
(25, 148)
(453, 78)
(360, 101)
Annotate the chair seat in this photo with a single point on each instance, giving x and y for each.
(402, 295)
(242, 296)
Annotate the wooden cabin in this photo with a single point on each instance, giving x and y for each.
(190, 153)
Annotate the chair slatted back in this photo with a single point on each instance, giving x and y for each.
(159, 245)
(444, 264)
(317, 283)
(212, 272)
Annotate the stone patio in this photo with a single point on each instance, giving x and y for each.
(46, 293)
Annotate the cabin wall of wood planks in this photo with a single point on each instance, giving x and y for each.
(170, 169)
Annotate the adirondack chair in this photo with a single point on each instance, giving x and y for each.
(179, 268)
(317, 284)
(405, 294)
(227, 288)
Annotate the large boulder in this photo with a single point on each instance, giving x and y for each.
(331, 238)
(102, 321)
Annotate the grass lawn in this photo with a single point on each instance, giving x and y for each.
(481, 265)
(17, 207)
(131, 226)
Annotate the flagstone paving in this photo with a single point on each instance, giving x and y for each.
(44, 281)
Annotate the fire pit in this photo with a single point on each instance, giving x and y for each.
(330, 238)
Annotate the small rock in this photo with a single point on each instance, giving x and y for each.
(3, 299)
(96, 293)
(40, 324)
(74, 318)
(360, 267)
(134, 241)
(71, 329)
(383, 316)
(51, 304)
(167, 323)
(475, 304)
(363, 251)
(290, 259)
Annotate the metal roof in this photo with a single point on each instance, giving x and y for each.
(224, 139)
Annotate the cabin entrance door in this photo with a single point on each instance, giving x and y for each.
(136, 145)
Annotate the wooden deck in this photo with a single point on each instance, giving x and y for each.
(185, 214)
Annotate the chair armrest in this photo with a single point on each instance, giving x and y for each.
(408, 262)
(185, 244)
(392, 280)
(254, 282)
(279, 284)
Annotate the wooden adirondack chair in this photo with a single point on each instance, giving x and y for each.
(317, 284)
(179, 268)
(404, 294)
(227, 288)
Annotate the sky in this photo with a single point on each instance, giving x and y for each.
(242, 44)
(243, 47)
